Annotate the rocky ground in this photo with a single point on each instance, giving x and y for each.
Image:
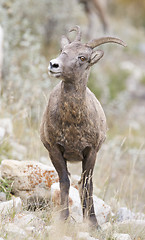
(29, 203)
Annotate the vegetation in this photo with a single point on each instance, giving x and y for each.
(143, 80)
(117, 82)
(5, 150)
(32, 33)
(6, 187)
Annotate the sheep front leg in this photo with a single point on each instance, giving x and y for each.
(61, 168)
(87, 187)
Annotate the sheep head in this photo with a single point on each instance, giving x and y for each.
(76, 58)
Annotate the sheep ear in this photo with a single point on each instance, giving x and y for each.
(96, 56)
(64, 41)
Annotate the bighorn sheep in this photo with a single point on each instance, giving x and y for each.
(74, 125)
(91, 6)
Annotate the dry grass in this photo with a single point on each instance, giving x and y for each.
(119, 177)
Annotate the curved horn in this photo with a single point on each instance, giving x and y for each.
(96, 42)
(78, 30)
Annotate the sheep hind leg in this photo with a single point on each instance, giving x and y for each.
(87, 186)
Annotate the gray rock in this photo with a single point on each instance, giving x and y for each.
(141, 47)
(29, 222)
(13, 205)
(30, 230)
(85, 236)
(48, 228)
(2, 133)
(124, 214)
(132, 225)
(66, 238)
(118, 236)
(6, 123)
(14, 231)
(106, 227)
(2, 197)
(74, 200)
(102, 210)
(1, 51)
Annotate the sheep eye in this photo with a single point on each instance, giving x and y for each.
(82, 58)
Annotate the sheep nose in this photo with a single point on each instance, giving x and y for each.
(53, 64)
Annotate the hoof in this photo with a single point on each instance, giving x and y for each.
(94, 224)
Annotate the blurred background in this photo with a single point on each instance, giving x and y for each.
(30, 35)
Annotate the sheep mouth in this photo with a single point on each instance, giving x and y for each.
(55, 74)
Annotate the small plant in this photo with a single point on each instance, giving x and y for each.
(94, 86)
(5, 150)
(117, 82)
(143, 80)
(6, 187)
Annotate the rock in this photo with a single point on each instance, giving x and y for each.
(140, 216)
(2, 133)
(1, 51)
(92, 238)
(75, 206)
(74, 181)
(119, 236)
(28, 174)
(23, 225)
(141, 47)
(85, 236)
(6, 123)
(66, 238)
(131, 225)
(124, 214)
(31, 180)
(48, 228)
(30, 230)
(14, 231)
(106, 227)
(74, 201)
(102, 210)
(29, 222)
(13, 205)
(2, 197)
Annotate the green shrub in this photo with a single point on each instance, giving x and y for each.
(5, 150)
(94, 85)
(143, 80)
(117, 82)
(6, 187)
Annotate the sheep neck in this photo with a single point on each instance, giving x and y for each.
(75, 89)
(76, 86)
(73, 101)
